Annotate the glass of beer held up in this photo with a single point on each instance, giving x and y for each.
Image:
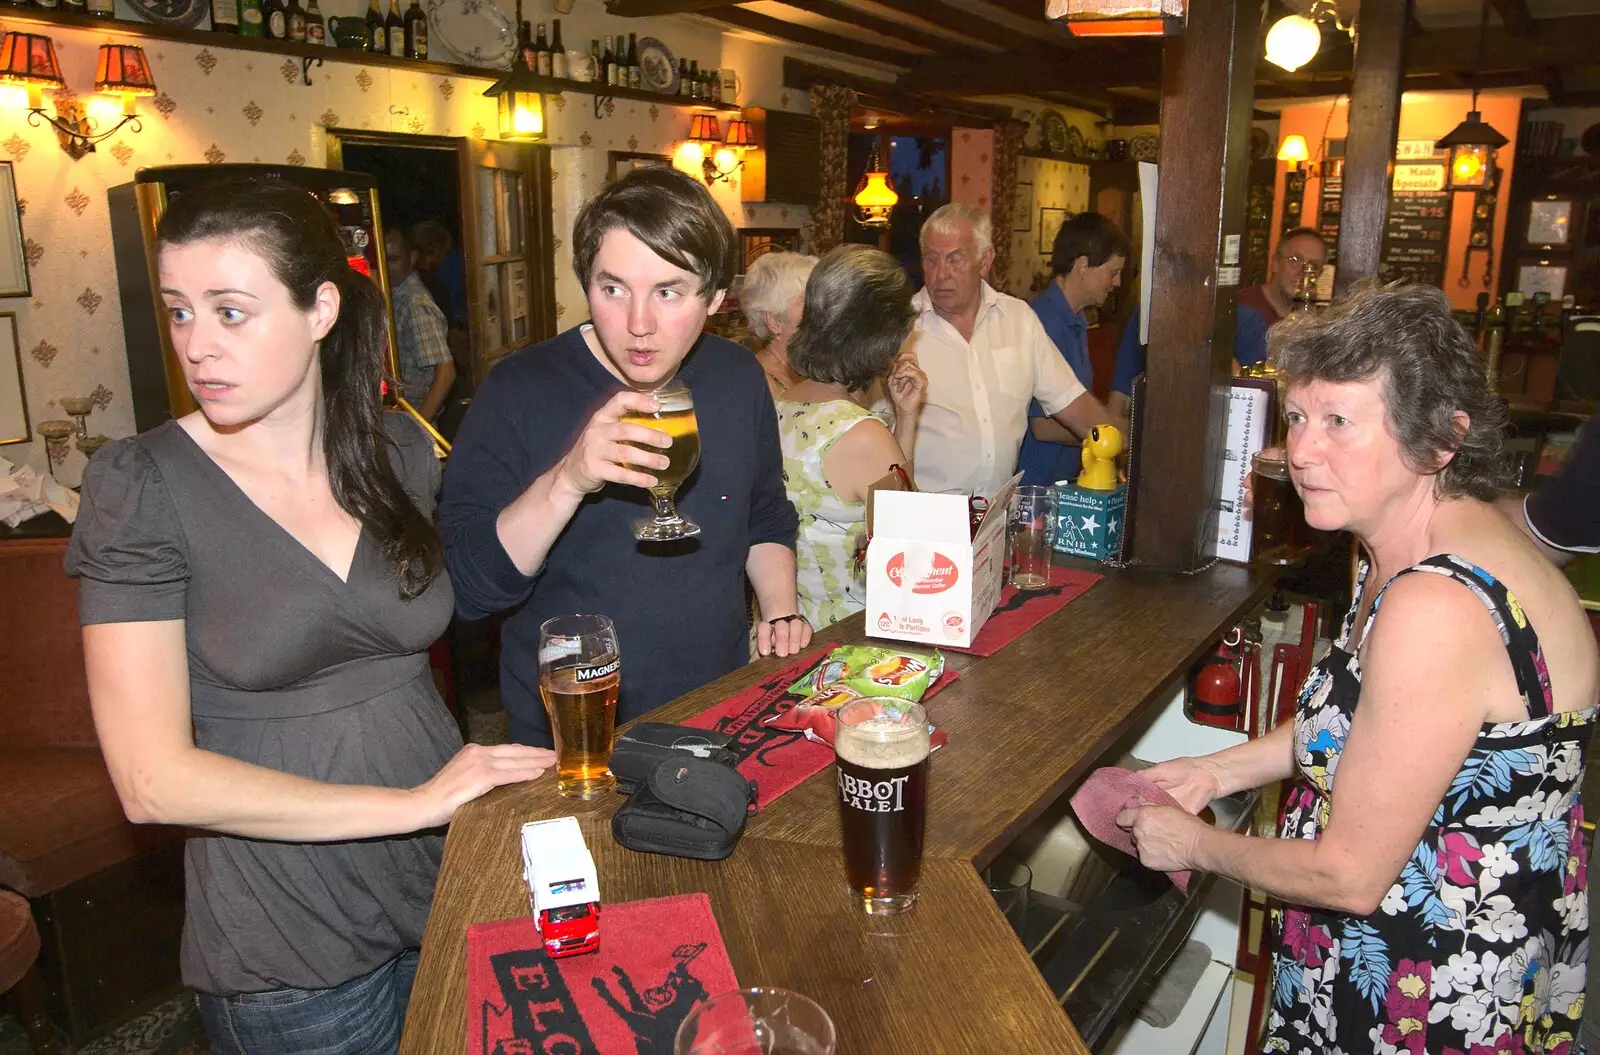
(882, 747)
(580, 677)
(675, 418)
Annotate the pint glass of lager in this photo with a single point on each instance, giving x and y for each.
(675, 418)
(580, 676)
(882, 746)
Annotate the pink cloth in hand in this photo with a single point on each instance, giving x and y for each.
(1106, 793)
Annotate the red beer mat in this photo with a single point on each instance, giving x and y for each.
(778, 759)
(657, 959)
(1018, 611)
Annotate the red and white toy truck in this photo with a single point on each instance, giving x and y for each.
(563, 891)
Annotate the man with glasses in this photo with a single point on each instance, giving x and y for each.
(1260, 307)
(986, 355)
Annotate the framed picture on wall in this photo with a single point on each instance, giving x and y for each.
(13, 260)
(757, 242)
(621, 162)
(1549, 222)
(1543, 277)
(1022, 210)
(13, 399)
(1050, 221)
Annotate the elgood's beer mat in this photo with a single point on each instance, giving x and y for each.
(657, 960)
(1019, 610)
(776, 759)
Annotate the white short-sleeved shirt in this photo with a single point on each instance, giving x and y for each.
(978, 392)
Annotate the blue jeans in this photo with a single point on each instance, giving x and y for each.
(361, 1017)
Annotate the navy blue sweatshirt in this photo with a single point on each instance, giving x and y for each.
(679, 607)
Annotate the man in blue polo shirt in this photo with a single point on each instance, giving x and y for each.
(546, 477)
(1085, 266)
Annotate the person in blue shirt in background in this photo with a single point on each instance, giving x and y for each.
(1260, 307)
(1085, 266)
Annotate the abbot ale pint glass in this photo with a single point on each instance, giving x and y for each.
(882, 747)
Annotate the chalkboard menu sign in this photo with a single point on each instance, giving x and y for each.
(1332, 205)
(1416, 234)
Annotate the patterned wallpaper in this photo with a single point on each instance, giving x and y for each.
(972, 166)
(219, 105)
(1056, 185)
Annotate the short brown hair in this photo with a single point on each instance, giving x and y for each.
(857, 315)
(1089, 235)
(670, 212)
(1406, 337)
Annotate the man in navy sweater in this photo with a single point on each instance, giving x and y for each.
(539, 499)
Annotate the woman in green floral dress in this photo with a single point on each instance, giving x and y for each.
(857, 314)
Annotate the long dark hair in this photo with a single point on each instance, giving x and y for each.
(295, 235)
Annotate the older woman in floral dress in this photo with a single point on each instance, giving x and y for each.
(1430, 861)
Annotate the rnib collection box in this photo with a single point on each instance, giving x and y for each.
(1089, 523)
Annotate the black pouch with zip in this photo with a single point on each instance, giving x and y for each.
(644, 744)
(686, 807)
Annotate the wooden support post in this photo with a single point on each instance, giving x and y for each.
(1369, 147)
(1207, 86)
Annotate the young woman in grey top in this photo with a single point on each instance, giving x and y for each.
(259, 583)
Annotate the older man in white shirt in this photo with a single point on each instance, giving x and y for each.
(986, 356)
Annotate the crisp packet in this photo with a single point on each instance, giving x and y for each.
(869, 670)
(818, 722)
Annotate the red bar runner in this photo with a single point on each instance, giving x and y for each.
(1018, 611)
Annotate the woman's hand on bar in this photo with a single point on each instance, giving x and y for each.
(1194, 782)
(474, 771)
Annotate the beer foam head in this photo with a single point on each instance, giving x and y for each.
(881, 734)
(674, 397)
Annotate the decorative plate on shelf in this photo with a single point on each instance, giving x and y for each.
(659, 68)
(1260, 144)
(185, 14)
(474, 32)
(1077, 149)
(1053, 133)
(1145, 146)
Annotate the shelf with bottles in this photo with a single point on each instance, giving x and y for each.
(522, 80)
(306, 52)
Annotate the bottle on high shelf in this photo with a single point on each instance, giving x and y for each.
(541, 53)
(394, 28)
(297, 21)
(250, 18)
(694, 79)
(608, 64)
(715, 80)
(558, 54)
(377, 34)
(683, 77)
(416, 31)
(525, 52)
(224, 16)
(316, 24)
(598, 58)
(635, 72)
(622, 61)
(276, 15)
(100, 9)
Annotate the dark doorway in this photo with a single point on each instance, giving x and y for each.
(414, 183)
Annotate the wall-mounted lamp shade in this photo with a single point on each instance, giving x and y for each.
(741, 133)
(1118, 18)
(1472, 145)
(28, 60)
(704, 129)
(122, 70)
(1292, 42)
(1293, 149)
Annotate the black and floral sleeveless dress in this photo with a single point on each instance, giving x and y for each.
(1482, 944)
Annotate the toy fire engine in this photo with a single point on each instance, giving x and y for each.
(563, 891)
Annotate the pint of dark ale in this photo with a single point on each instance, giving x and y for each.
(1281, 536)
(580, 677)
(882, 747)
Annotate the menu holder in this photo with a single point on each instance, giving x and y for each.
(1252, 408)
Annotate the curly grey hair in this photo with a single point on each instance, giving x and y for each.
(1407, 337)
(770, 285)
(857, 315)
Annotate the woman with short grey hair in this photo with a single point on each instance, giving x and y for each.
(772, 301)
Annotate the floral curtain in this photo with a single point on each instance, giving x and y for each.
(832, 104)
(1008, 137)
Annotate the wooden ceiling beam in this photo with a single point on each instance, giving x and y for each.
(801, 75)
(816, 38)
(888, 27)
(1514, 13)
(1560, 42)
(1088, 67)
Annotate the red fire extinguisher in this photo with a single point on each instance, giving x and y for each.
(1213, 696)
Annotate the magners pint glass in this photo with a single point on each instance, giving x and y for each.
(675, 418)
(580, 677)
(882, 747)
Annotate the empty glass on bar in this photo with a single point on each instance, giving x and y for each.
(882, 747)
(676, 419)
(1029, 533)
(759, 1021)
(580, 677)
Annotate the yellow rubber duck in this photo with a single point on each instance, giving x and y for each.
(1100, 450)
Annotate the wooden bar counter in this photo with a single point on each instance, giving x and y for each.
(1025, 725)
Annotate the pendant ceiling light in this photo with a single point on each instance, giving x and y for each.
(1473, 143)
(875, 199)
(1294, 40)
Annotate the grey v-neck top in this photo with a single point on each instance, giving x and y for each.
(289, 668)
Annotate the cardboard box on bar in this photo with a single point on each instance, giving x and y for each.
(929, 579)
(1089, 523)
